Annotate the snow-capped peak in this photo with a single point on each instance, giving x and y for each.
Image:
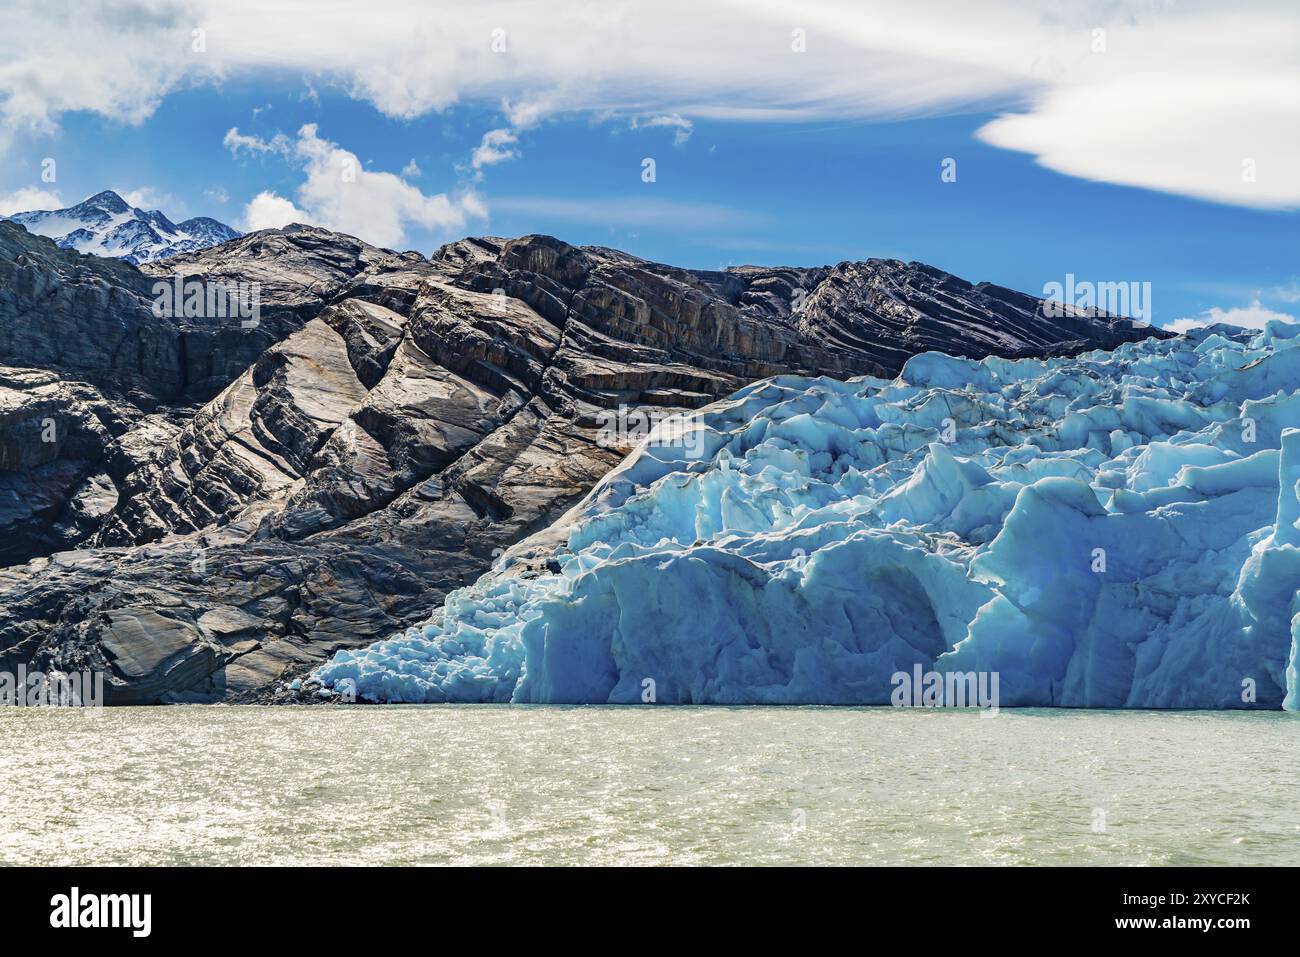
(107, 225)
(107, 203)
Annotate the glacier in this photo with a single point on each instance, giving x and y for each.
(1115, 529)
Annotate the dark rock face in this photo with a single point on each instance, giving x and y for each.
(227, 506)
(82, 316)
(54, 484)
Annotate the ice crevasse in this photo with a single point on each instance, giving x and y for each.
(1115, 529)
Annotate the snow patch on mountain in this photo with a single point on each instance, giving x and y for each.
(107, 225)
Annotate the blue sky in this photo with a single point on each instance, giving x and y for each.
(741, 178)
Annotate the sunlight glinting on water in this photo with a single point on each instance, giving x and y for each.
(654, 785)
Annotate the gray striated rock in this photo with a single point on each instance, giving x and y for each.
(83, 317)
(390, 427)
(55, 489)
(246, 449)
(297, 270)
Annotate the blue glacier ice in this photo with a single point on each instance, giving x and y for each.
(1116, 529)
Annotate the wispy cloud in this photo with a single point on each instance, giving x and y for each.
(238, 142)
(1288, 293)
(1185, 98)
(683, 128)
(147, 197)
(497, 146)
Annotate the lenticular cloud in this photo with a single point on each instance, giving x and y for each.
(1117, 529)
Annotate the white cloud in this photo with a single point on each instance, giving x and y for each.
(266, 210)
(147, 198)
(30, 198)
(683, 127)
(1175, 106)
(108, 58)
(236, 141)
(412, 170)
(1288, 293)
(494, 148)
(530, 110)
(340, 194)
(1254, 316)
(1181, 98)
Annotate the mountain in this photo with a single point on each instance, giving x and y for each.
(106, 225)
(225, 507)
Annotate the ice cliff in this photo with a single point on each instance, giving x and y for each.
(1117, 529)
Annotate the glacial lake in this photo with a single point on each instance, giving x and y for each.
(649, 785)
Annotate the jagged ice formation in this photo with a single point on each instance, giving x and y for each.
(1117, 529)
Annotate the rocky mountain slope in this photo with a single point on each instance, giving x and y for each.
(218, 506)
(107, 225)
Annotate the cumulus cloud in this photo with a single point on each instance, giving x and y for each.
(340, 194)
(30, 198)
(1254, 316)
(266, 210)
(1185, 98)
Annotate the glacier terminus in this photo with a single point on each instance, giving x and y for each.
(1112, 530)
